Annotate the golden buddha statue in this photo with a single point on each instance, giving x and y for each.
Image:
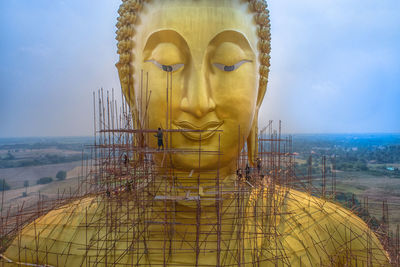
(214, 55)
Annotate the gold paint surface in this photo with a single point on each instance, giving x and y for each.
(309, 232)
(199, 34)
(194, 39)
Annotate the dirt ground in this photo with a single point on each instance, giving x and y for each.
(15, 177)
(14, 198)
(377, 189)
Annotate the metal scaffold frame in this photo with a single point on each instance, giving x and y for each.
(140, 196)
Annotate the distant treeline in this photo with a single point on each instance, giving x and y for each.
(15, 145)
(10, 162)
(47, 145)
(306, 142)
(356, 150)
(372, 153)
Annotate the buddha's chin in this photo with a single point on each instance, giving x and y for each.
(207, 156)
(194, 162)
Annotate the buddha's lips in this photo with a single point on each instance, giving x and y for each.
(194, 132)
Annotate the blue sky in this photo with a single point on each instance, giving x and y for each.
(335, 65)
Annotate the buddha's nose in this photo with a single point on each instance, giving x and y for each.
(197, 99)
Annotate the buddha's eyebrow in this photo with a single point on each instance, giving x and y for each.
(234, 37)
(165, 36)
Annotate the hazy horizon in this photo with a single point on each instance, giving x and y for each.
(283, 133)
(335, 66)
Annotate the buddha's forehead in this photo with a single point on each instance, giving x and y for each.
(197, 21)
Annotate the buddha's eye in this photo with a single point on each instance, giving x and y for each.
(166, 68)
(230, 68)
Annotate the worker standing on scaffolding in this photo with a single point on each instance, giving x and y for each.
(239, 174)
(247, 171)
(126, 160)
(159, 136)
(258, 165)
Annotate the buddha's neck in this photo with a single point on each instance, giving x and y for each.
(200, 202)
(198, 217)
(201, 209)
(194, 179)
(195, 189)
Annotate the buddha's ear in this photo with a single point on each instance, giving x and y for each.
(262, 88)
(252, 141)
(126, 83)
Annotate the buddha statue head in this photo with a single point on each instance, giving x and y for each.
(208, 64)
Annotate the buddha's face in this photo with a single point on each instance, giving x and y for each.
(209, 48)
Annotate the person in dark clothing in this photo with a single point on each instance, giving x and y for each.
(128, 186)
(239, 173)
(247, 170)
(258, 165)
(159, 136)
(126, 160)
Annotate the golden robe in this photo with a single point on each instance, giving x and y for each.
(267, 227)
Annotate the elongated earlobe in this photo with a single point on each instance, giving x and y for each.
(252, 141)
(126, 80)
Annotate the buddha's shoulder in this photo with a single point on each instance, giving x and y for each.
(65, 218)
(303, 209)
(323, 211)
(317, 227)
(55, 231)
(90, 205)
(71, 212)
